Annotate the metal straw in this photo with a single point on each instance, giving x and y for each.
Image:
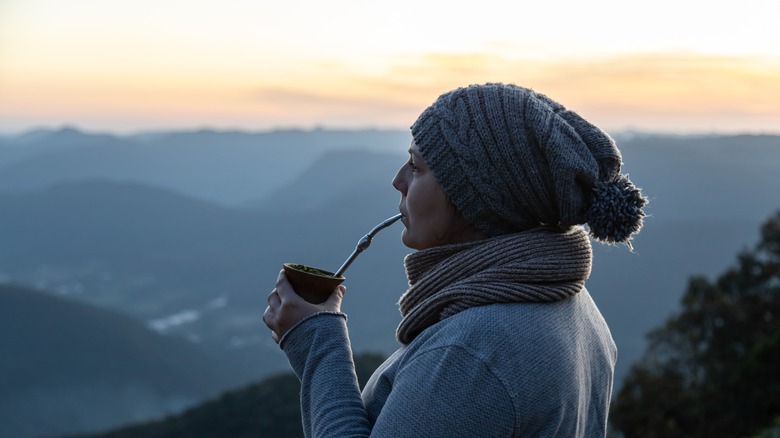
(365, 242)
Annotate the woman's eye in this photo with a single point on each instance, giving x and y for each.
(411, 164)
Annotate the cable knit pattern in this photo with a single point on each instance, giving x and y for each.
(512, 159)
(538, 265)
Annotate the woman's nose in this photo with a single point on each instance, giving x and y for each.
(399, 182)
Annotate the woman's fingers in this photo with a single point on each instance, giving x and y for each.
(273, 299)
(283, 286)
(334, 300)
(269, 316)
(270, 322)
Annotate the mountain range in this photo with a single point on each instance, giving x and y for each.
(230, 168)
(127, 224)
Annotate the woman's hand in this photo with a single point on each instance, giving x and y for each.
(286, 308)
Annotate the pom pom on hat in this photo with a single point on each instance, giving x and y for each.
(615, 213)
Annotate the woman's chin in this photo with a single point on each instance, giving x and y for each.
(408, 240)
(405, 237)
(416, 244)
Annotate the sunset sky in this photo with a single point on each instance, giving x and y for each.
(141, 65)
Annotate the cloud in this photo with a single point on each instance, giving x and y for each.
(337, 107)
(298, 98)
(666, 91)
(655, 91)
(671, 91)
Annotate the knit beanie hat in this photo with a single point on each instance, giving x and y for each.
(511, 159)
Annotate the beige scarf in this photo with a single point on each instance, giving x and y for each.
(538, 265)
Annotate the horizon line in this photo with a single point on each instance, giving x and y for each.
(622, 132)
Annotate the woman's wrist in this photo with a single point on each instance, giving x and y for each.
(291, 332)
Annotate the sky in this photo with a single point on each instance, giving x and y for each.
(681, 66)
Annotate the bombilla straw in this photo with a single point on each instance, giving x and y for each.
(365, 242)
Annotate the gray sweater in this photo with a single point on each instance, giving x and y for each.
(499, 370)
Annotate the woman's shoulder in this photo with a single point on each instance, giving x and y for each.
(508, 333)
(518, 321)
(481, 331)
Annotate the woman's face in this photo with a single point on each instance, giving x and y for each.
(428, 216)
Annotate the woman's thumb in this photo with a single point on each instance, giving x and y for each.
(337, 295)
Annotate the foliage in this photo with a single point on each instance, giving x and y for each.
(270, 408)
(710, 369)
(772, 431)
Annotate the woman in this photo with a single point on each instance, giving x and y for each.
(499, 335)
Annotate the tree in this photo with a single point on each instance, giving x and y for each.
(711, 369)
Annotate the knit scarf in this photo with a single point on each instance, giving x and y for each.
(538, 265)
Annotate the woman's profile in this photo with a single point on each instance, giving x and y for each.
(499, 336)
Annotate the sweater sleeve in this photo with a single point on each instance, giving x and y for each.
(446, 392)
(319, 352)
(443, 392)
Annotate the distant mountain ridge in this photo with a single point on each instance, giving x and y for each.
(725, 177)
(229, 168)
(330, 177)
(32, 143)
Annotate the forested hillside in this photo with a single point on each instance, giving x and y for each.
(711, 368)
(269, 409)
